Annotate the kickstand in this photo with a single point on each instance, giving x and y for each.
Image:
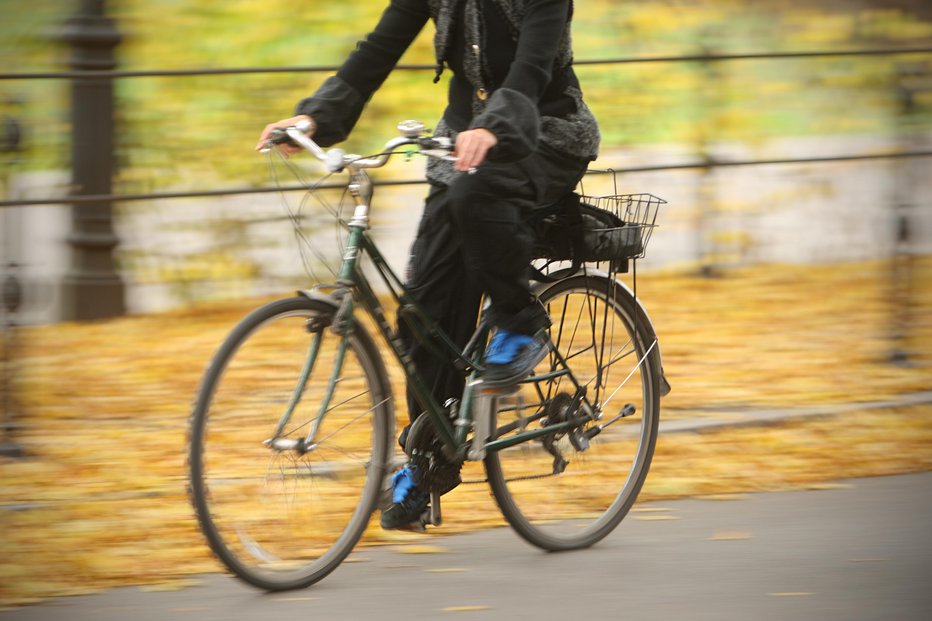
(435, 518)
(430, 515)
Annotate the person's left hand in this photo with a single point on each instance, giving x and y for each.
(472, 146)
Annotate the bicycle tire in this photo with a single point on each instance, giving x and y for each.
(582, 504)
(279, 519)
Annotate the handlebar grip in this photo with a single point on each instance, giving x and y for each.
(443, 144)
(280, 136)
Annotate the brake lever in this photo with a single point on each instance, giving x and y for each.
(440, 147)
(277, 137)
(280, 136)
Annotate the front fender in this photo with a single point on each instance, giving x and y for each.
(317, 296)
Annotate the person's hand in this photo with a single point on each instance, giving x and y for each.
(472, 147)
(285, 149)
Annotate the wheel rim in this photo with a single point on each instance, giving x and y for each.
(278, 515)
(598, 485)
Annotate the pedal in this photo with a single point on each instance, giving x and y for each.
(426, 517)
(430, 516)
(417, 526)
(579, 439)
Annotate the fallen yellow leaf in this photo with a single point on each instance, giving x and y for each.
(171, 585)
(829, 485)
(736, 535)
(465, 608)
(420, 549)
(655, 518)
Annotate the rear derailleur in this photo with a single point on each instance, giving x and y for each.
(564, 408)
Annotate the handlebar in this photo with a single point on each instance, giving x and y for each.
(336, 160)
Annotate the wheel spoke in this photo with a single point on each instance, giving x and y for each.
(569, 489)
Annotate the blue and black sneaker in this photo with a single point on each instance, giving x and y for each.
(408, 500)
(512, 355)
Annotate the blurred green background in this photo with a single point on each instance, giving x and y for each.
(174, 128)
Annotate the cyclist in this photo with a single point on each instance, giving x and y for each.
(523, 138)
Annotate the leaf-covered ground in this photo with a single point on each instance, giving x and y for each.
(100, 501)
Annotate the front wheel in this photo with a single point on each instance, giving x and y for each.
(569, 490)
(281, 513)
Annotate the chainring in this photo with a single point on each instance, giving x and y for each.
(425, 451)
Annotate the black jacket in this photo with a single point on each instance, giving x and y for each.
(512, 74)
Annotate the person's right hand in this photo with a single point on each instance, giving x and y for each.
(285, 149)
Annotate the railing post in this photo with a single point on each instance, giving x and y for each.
(709, 98)
(11, 293)
(910, 82)
(92, 288)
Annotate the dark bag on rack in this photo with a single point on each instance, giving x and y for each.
(573, 230)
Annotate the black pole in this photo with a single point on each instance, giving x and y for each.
(12, 295)
(909, 83)
(710, 102)
(92, 288)
(11, 291)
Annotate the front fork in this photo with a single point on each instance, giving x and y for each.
(340, 323)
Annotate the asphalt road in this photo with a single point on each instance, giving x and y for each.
(862, 550)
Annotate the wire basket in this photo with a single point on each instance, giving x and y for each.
(626, 234)
(614, 228)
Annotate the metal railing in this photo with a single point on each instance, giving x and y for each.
(80, 199)
(696, 58)
(199, 72)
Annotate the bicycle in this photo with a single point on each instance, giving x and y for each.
(293, 429)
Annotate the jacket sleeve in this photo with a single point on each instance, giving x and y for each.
(338, 103)
(511, 113)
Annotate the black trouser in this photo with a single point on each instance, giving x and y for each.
(473, 239)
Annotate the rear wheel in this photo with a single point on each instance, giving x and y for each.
(569, 490)
(278, 514)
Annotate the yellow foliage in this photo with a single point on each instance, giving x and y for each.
(818, 28)
(104, 409)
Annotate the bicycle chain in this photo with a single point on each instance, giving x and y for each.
(527, 477)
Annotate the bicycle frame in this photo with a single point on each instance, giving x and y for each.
(352, 283)
(353, 286)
